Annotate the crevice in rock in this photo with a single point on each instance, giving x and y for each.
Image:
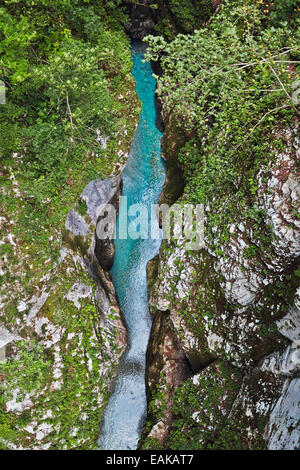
(197, 364)
(105, 248)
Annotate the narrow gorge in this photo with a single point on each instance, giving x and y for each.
(132, 342)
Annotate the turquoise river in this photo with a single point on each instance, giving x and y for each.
(143, 179)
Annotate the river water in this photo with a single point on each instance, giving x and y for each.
(143, 179)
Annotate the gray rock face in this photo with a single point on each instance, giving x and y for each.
(97, 253)
(76, 224)
(289, 325)
(5, 337)
(285, 364)
(226, 303)
(78, 291)
(105, 247)
(284, 429)
(96, 196)
(100, 192)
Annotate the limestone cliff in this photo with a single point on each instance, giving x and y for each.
(236, 319)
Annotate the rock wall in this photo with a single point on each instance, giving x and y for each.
(142, 19)
(61, 328)
(236, 310)
(97, 254)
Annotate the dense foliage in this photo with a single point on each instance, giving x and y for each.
(63, 65)
(182, 16)
(237, 77)
(231, 88)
